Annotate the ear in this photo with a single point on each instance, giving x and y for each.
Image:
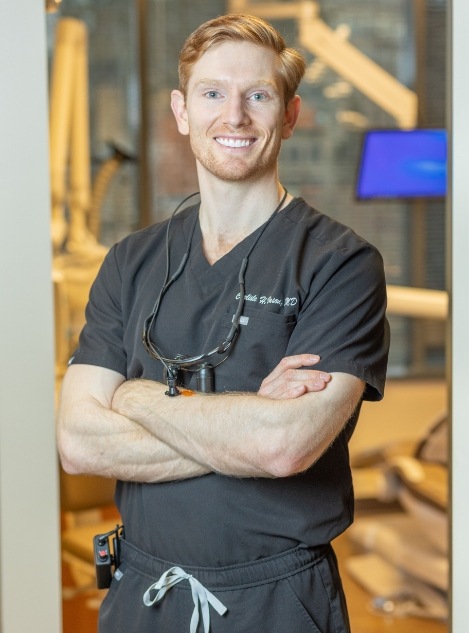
(291, 116)
(178, 106)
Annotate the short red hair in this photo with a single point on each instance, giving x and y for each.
(244, 28)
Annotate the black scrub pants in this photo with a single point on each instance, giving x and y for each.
(298, 591)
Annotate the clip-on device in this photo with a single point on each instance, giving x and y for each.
(105, 559)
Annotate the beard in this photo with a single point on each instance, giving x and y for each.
(236, 168)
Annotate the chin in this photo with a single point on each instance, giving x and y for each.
(232, 172)
(232, 168)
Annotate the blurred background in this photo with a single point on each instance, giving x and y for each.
(133, 49)
(118, 163)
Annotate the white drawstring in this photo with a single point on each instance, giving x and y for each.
(200, 596)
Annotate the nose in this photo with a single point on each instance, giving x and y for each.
(235, 112)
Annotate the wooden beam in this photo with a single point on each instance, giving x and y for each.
(417, 302)
(362, 72)
(341, 56)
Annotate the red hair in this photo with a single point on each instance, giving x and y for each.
(244, 28)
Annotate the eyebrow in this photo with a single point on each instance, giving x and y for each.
(260, 83)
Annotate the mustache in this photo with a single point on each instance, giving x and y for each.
(241, 130)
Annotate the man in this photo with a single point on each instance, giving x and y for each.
(229, 499)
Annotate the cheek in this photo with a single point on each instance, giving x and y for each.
(277, 128)
(199, 125)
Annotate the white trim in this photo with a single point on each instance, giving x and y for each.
(459, 299)
(29, 526)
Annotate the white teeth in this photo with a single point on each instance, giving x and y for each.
(231, 142)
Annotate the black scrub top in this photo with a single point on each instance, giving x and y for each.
(312, 286)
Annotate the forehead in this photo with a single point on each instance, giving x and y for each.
(240, 62)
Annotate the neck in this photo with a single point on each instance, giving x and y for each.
(235, 205)
(229, 212)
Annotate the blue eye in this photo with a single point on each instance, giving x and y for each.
(212, 94)
(258, 96)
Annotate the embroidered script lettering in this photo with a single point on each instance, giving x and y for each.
(274, 300)
(265, 300)
(252, 298)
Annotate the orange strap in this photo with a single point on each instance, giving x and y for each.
(186, 392)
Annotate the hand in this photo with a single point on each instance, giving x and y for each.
(290, 380)
(128, 400)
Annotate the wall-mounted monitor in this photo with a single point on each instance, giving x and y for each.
(402, 164)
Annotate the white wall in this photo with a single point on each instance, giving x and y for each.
(29, 527)
(459, 262)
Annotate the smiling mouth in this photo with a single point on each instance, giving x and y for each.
(234, 142)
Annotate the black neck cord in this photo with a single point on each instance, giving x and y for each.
(196, 363)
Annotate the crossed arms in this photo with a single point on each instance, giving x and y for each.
(131, 431)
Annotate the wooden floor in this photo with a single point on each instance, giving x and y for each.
(362, 619)
(408, 408)
(80, 612)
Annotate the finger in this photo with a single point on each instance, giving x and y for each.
(286, 394)
(293, 377)
(305, 375)
(288, 389)
(315, 385)
(292, 362)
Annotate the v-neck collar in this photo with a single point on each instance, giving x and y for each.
(209, 275)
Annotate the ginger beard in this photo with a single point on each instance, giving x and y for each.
(236, 164)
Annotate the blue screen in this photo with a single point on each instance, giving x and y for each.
(402, 164)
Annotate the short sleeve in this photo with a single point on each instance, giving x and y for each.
(344, 320)
(101, 340)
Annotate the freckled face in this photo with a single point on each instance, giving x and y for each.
(234, 111)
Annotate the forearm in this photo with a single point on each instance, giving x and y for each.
(93, 439)
(113, 446)
(241, 434)
(198, 437)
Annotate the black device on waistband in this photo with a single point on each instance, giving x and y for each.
(107, 555)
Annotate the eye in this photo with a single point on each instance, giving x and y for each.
(212, 94)
(258, 96)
